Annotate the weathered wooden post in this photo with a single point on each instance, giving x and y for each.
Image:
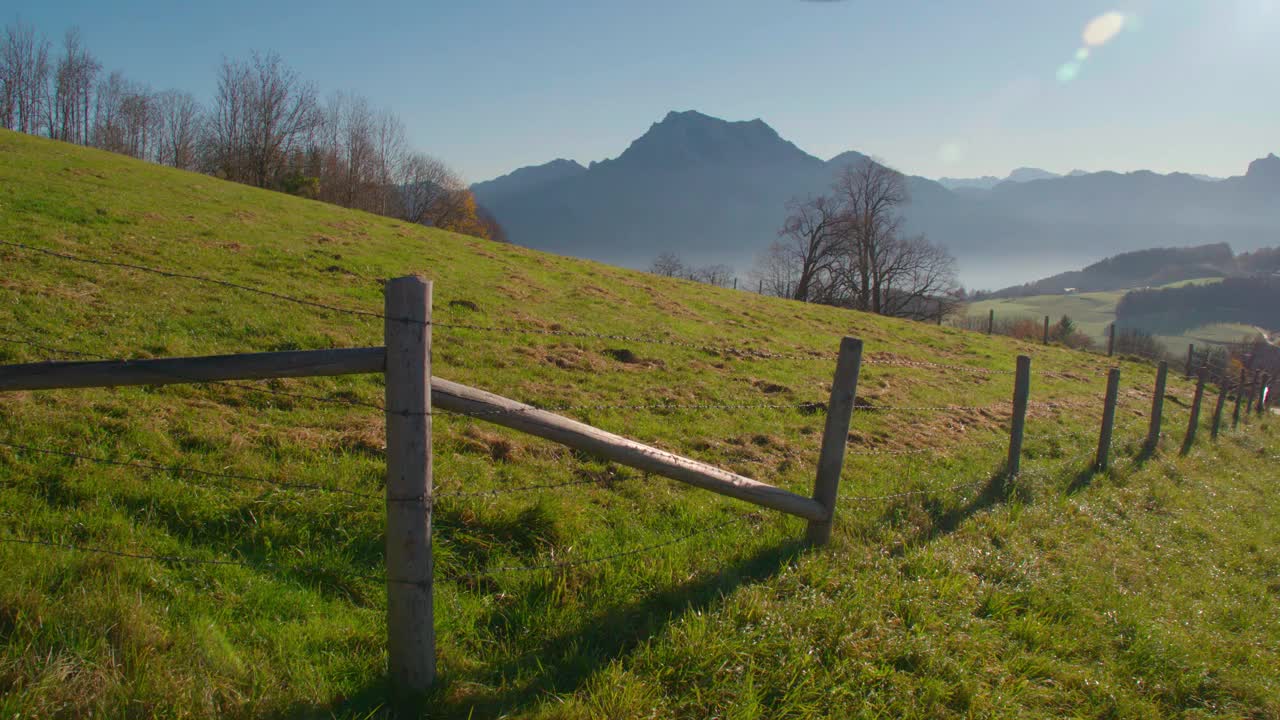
(991, 321)
(1191, 355)
(735, 283)
(1157, 406)
(1021, 391)
(844, 388)
(1046, 329)
(1108, 420)
(1217, 408)
(1194, 423)
(1262, 392)
(1253, 383)
(1111, 341)
(760, 287)
(411, 643)
(1235, 414)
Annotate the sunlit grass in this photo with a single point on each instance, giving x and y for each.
(1148, 590)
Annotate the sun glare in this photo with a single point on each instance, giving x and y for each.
(1102, 28)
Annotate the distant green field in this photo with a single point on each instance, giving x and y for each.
(1093, 312)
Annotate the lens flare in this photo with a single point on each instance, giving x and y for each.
(1082, 54)
(1068, 71)
(1101, 29)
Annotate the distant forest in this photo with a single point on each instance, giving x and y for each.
(1169, 311)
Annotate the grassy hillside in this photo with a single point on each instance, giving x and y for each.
(1093, 312)
(1146, 591)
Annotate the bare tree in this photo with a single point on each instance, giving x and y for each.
(24, 75)
(917, 279)
(870, 194)
(226, 144)
(430, 192)
(848, 249)
(809, 248)
(179, 129)
(390, 151)
(668, 264)
(72, 91)
(263, 114)
(108, 112)
(720, 275)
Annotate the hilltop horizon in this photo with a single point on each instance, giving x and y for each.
(1025, 172)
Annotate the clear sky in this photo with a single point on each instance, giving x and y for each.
(933, 88)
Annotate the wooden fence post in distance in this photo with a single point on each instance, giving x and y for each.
(1021, 391)
(1217, 408)
(844, 388)
(1191, 354)
(1253, 383)
(1111, 340)
(1194, 423)
(1108, 420)
(991, 321)
(1046, 329)
(1235, 414)
(1157, 406)
(411, 643)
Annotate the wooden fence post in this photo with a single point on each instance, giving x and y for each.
(991, 321)
(1262, 392)
(1253, 383)
(1194, 423)
(1108, 420)
(1111, 341)
(1235, 414)
(1046, 329)
(735, 283)
(844, 388)
(1191, 352)
(1021, 390)
(1217, 408)
(1157, 406)
(411, 657)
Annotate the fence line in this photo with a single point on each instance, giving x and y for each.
(411, 390)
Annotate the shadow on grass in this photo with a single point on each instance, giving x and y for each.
(996, 491)
(564, 660)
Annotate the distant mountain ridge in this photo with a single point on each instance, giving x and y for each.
(714, 191)
(1138, 269)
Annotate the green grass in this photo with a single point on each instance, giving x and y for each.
(1093, 312)
(1146, 591)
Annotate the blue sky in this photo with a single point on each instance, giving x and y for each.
(933, 88)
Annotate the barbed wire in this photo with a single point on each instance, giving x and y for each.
(258, 566)
(180, 469)
(196, 381)
(732, 351)
(196, 278)
(614, 556)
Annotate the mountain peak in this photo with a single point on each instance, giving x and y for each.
(688, 137)
(1267, 168)
(1027, 174)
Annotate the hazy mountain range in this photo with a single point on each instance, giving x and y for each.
(715, 191)
(1024, 174)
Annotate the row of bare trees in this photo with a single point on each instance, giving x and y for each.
(848, 248)
(669, 264)
(265, 126)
